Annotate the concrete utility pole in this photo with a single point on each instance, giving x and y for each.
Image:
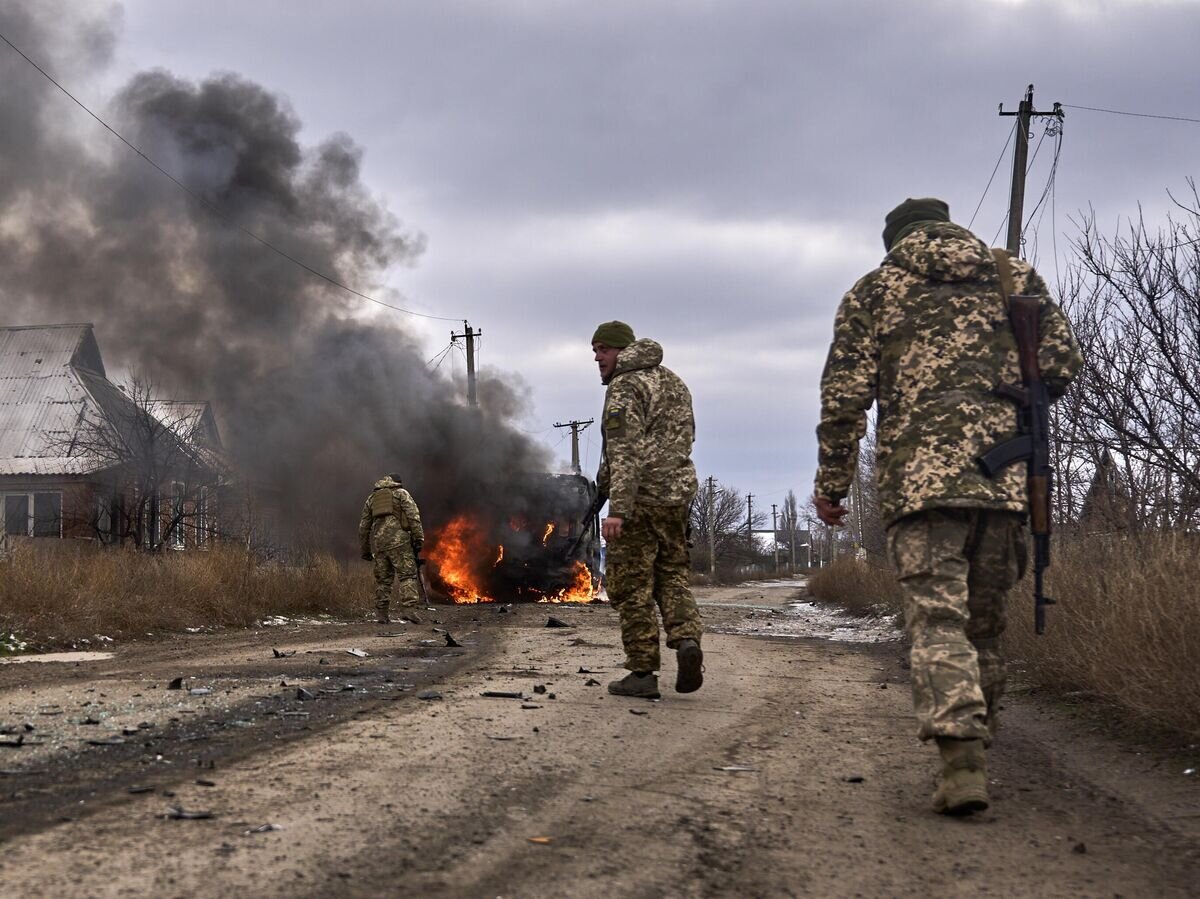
(750, 523)
(1016, 203)
(712, 528)
(775, 534)
(472, 398)
(577, 428)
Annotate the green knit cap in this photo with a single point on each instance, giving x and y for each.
(617, 335)
(901, 220)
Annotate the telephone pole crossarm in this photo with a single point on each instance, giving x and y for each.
(577, 428)
(1025, 113)
(470, 334)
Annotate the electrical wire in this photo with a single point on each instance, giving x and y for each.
(1136, 115)
(212, 208)
(996, 168)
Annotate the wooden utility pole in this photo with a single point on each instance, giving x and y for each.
(577, 428)
(750, 523)
(470, 335)
(1025, 113)
(775, 534)
(712, 528)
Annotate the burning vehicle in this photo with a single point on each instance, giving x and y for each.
(526, 553)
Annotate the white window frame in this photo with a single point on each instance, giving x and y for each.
(31, 507)
(175, 536)
(202, 519)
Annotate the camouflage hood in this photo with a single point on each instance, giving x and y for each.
(387, 483)
(943, 251)
(644, 353)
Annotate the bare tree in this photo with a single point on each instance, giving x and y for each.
(727, 523)
(157, 472)
(1135, 302)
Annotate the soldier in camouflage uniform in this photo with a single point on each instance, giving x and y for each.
(646, 470)
(391, 536)
(927, 337)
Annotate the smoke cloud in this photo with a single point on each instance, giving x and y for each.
(314, 403)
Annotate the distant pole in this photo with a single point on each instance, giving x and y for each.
(470, 334)
(577, 427)
(775, 534)
(712, 528)
(1016, 203)
(750, 523)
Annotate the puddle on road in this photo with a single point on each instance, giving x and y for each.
(58, 657)
(806, 619)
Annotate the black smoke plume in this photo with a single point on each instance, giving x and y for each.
(314, 402)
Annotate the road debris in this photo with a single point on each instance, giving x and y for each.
(304, 695)
(358, 653)
(430, 695)
(201, 782)
(14, 742)
(106, 741)
(199, 691)
(638, 712)
(541, 841)
(282, 654)
(529, 705)
(556, 622)
(539, 688)
(734, 768)
(179, 813)
(176, 684)
(854, 779)
(262, 828)
(138, 790)
(1080, 849)
(502, 694)
(591, 682)
(450, 641)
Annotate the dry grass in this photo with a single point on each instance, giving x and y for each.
(1126, 629)
(860, 588)
(54, 597)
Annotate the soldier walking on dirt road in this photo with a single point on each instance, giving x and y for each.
(647, 473)
(391, 536)
(926, 335)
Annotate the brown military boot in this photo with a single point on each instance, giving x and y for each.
(381, 613)
(691, 667)
(409, 613)
(963, 789)
(643, 686)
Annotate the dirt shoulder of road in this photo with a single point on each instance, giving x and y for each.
(793, 772)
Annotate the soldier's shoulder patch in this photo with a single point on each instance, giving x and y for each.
(614, 421)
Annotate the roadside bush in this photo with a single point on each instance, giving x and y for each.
(859, 587)
(1126, 629)
(54, 597)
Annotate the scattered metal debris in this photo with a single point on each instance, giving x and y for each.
(199, 691)
(591, 682)
(358, 653)
(305, 695)
(502, 694)
(262, 828)
(450, 641)
(179, 813)
(734, 768)
(529, 705)
(539, 688)
(430, 695)
(542, 841)
(105, 741)
(854, 779)
(557, 622)
(282, 654)
(201, 782)
(638, 712)
(176, 684)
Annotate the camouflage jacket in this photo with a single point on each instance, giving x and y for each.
(648, 430)
(379, 533)
(927, 336)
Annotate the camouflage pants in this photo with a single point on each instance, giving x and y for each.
(396, 564)
(648, 566)
(956, 567)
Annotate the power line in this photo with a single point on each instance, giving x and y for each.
(1136, 115)
(215, 210)
(999, 159)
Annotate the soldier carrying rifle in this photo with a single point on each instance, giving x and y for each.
(927, 336)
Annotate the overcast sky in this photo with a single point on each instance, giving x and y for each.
(714, 173)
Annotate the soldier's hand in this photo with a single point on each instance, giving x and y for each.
(417, 544)
(367, 557)
(828, 511)
(610, 528)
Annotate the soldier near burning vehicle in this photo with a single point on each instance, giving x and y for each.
(391, 536)
(926, 335)
(647, 473)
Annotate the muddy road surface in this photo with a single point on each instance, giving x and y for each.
(283, 764)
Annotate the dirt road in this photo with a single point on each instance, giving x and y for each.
(794, 772)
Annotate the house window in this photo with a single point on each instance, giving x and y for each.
(202, 518)
(176, 522)
(16, 514)
(33, 514)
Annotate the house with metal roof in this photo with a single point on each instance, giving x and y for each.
(82, 458)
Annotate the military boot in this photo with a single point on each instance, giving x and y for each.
(381, 613)
(691, 667)
(410, 614)
(643, 686)
(963, 789)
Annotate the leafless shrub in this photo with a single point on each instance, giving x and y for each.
(859, 587)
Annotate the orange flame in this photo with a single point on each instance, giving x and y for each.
(582, 589)
(499, 555)
(454, 549)
(548, 532)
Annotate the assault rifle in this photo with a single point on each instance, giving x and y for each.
(589, 520)
(420, 574)
(1032, 443)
